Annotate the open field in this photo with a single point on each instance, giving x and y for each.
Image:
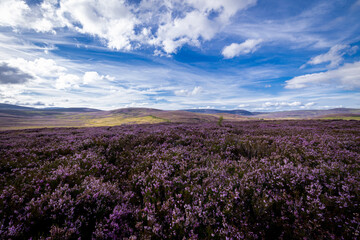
(250, 179)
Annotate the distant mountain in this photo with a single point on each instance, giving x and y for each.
(217, 111)
(306, 114)
(69, 109)
(4, 106)
(301, 114)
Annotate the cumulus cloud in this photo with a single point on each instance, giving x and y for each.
(12, 12)
(68, 81)
(235, 49)
(125, 25)
(190, 29)
(74, 81)
(12, 75)
(334, 56)
(110, 20)
(94, 77)
(19, 70)
(40, 67)
(41, 18)
(346, 76)
(91, 77)
(189, 21)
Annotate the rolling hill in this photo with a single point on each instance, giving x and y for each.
(12, 117)
(217, 111)
(310, 114)
(18, 117)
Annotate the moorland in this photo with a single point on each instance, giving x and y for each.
(274, 179)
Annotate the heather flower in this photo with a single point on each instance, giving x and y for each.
(248, 180)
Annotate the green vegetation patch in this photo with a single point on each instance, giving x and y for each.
(118, 120)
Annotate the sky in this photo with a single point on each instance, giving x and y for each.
(257, 55)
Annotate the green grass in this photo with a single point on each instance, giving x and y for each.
(118, 120)
(342, 118)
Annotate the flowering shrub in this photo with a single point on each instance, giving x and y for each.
(248, 180)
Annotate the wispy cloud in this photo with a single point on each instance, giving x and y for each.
(347, 77)
(317, 26)
(334, 56)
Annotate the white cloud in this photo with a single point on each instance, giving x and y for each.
(190, 29)
(12, 12)
(196, 22)
(334, 55)
(183, 92)
(124, 25)
(40, 67)
(206, 107)
(94, 78)
(227, 7)
(12, 45)
(235, 49)
(64, 83)
(346, 76)
(67, 81)
(243, 105)
(110, 20)
(91, 77)
(281, 104)
(41, 18)
(197, 90)
(308, 105)
(310, 27)
(47, 71)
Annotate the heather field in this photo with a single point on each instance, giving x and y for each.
(244, 180)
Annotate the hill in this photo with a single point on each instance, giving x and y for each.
(18, 117)
(4, 106)
(217, 111)
(309, 114)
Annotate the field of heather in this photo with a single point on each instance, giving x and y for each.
(252, 180)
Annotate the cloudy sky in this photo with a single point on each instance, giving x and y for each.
(258, 55)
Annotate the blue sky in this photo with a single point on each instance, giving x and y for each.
(259, 55)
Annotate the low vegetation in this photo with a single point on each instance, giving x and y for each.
(251, 180)
(118, 120)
